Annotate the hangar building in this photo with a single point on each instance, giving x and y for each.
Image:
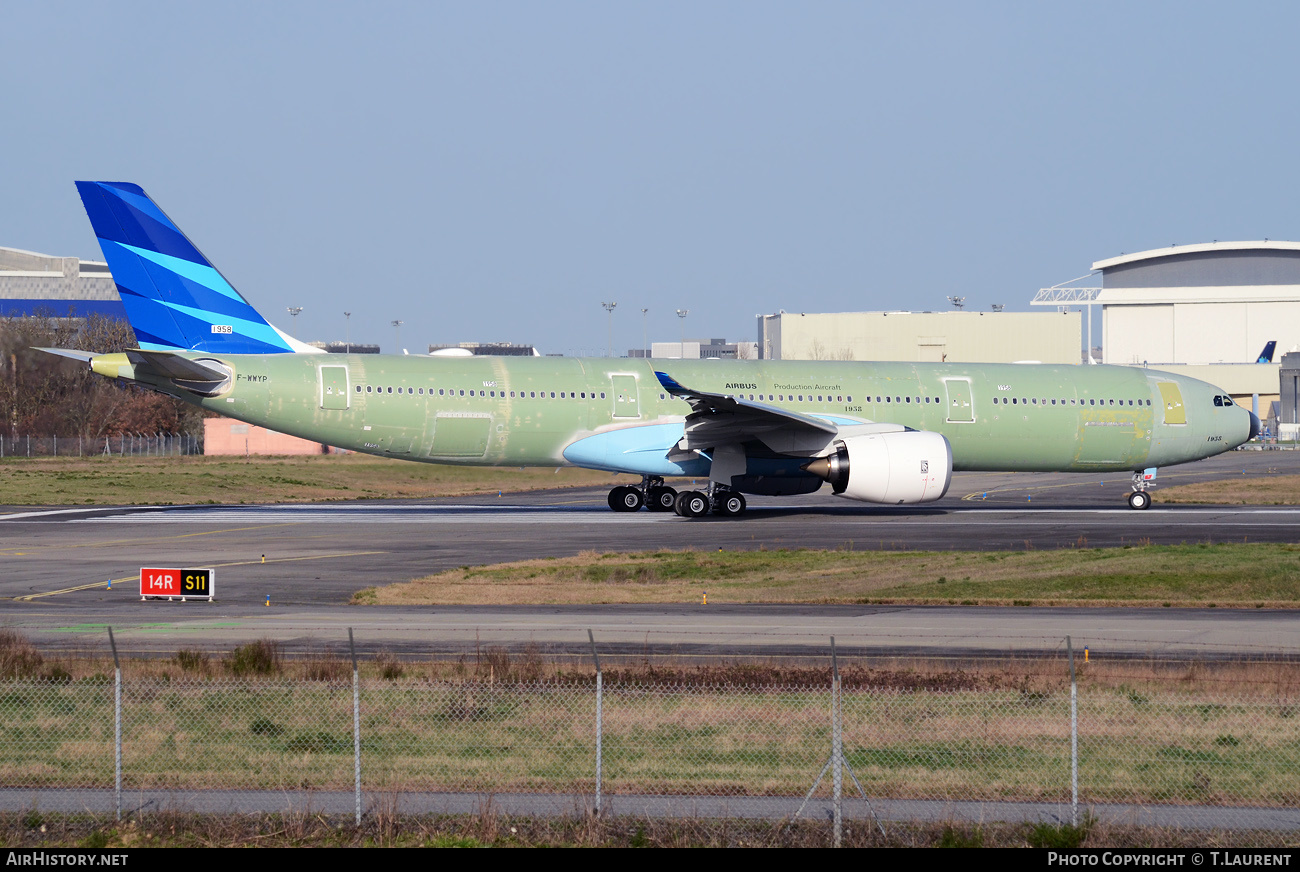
(40, 284)
(1200, 304)
(957, 336)
(1205, 311)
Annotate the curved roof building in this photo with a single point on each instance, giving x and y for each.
(1217, 302)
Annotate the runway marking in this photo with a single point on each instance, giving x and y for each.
(981, 496)
(136, 577)
(523, 515)
(31, 549)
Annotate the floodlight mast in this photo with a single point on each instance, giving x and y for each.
(681, 314)
(609, 307)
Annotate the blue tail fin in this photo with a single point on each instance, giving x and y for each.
(1266, 356)
(174, 298)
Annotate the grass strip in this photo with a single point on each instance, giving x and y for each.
(47, 481)
(1277, 490)
(1239, 575)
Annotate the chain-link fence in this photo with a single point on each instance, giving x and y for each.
(128, 444)
(226, 743)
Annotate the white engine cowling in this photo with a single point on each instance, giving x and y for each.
(913, 466)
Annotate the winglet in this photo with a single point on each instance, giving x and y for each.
(670, 384)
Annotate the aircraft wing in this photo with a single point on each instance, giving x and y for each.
(718, 419)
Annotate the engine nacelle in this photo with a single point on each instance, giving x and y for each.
(913, 466)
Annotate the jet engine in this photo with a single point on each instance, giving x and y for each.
(911, 466)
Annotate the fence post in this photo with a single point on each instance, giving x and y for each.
(837, 747)
(600, 716)
(1074, 739)
(356, 724)
(117, 725)
(56, 445)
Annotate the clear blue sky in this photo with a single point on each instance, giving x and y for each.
(493, 171)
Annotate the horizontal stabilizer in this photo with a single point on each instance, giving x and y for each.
(84, 356)
(174, 366)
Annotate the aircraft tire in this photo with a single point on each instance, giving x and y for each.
(1139, 500)
(662, 499)
(731, 505)
(625, 499)
(692, 504)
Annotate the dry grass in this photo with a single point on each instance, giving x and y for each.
(33, 829)
(1237, 575)
(48, 481)
(1275, 490)
(1203, 732)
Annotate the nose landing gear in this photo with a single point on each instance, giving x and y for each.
(1140, 499)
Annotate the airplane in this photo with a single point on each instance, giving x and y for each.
(884, 433)
(1266, 356)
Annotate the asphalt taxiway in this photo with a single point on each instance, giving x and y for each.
(55, 564)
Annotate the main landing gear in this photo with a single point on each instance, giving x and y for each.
(651, 493)
(1139, 499)
(655, 496)
(719, 499)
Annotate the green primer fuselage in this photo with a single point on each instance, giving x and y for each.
(515, 411)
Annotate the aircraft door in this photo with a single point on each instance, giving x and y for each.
(334, 387)
(960, 409)
(625, 396)
(1172, 398)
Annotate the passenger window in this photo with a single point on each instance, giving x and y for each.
(368, 389)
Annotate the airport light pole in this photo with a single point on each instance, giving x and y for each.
(294, 310)
(681, 315)
(645, 346)
(957, 302)
(397, 327)
(609, 307)
(348, 331)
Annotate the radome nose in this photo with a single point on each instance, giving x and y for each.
(1255, 426)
